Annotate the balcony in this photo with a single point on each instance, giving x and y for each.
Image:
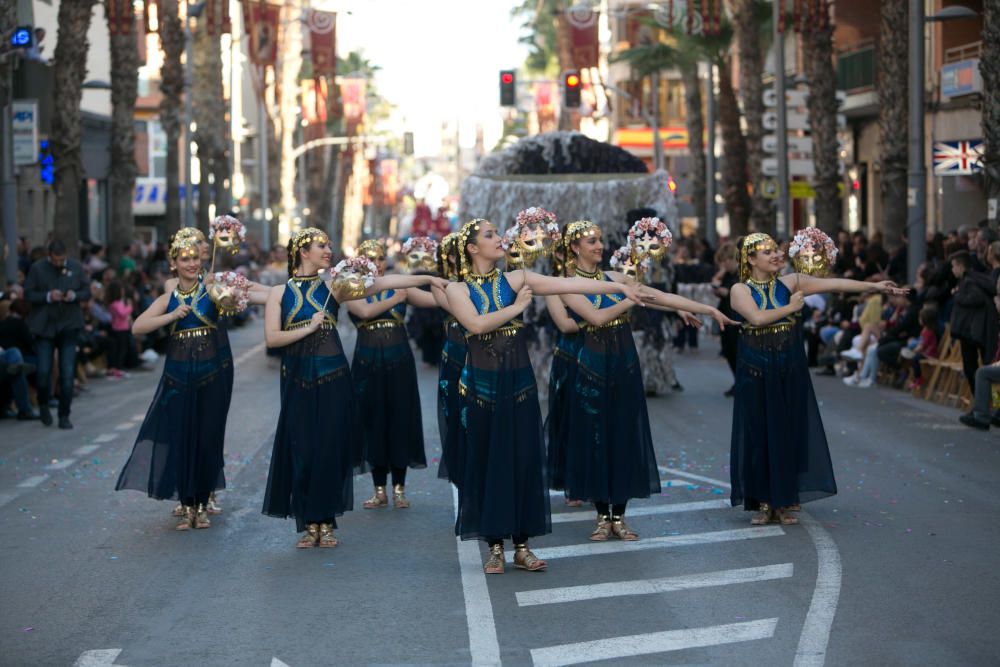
(856, 76)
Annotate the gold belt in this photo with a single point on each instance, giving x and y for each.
(302, 324)
(618, 321)
(379, 324)
(778, 327)
(196, 332)
(509, 329)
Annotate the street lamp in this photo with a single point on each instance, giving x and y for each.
(916, 192)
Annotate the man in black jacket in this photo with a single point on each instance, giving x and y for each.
(973, 321)
(55, 287)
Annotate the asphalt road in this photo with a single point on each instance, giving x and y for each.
(900, 568)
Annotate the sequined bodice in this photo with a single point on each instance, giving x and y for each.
(770, 295)
(491, 292)
(600, 301)
(395, 315)
(203, 314)
(303, 297)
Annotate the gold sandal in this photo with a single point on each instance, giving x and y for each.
(326, 538)
(785, 518)
(764, 516)
(187, 516)
(178, 511)
(311, 537)
(621, 531)
(525, 560)
(201, 518)
(495, 564)
(603, 530)
(378, 500)
(212, 505)
(399, 500)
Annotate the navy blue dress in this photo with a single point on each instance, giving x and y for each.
(385, 388)
(178, 453)
(449, 401)
(779, 454)
(318, 444)
(500, 450)
(609, 451)
(562, 377)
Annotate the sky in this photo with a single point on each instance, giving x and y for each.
(440, 60)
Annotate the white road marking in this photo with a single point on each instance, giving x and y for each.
(664, 483)
(819, 619)
(124, 426)
(7, 497)
(691, 475)
(651, 586)
(653, 642)
(32, 482)
(105, 437)
(484, 648)
(278, 663)
(60, 465)
(86, 450)
(650, 510)
(99, 658)
(665, 542)
(139, 417)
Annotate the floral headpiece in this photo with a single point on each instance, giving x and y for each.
(644, 228)
(304, 237)
(351, 277)
(812, 251)
(230, 292)
(751, 244)
(467, 231)
(420, 253)
(626, 260)
(186, 245)
(371, 248)
(227, 232)
(424, 243)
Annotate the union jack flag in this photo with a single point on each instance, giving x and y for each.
(957, 158)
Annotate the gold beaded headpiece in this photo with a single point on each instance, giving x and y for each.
(304, 237)
(467, 231)
(371, 249)
(446, 251)
(184, 245)
(190, 232)
(573, 233)
(751, 244)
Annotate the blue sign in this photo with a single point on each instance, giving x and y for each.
(21, 38)
(47, 164)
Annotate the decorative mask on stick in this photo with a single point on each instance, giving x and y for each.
(351, 277)
(813, 252)
(230, 292)
(227, 233)
(536, 233)
(650, 237)
(420, 253)
(626, 260)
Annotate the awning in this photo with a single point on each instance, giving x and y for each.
(639, 141)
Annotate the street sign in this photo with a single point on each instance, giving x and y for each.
(769, 188)
(24, 131)
(795, 144)
(796, 120)
(793, 98)
(769, 166)
(796, 189)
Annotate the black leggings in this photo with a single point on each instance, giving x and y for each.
(380, 474)
(517, 539)
(617, 509)
(970, 360)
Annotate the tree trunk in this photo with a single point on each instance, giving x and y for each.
(751, 55)
(8, 21)
(696, 143)
(989, 68)
(124, 88)
(893, 117)
(70, 68)
(209, 113)
(172, 87)
(734, 161)
(818, 47)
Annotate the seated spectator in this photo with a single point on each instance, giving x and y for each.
(982, 414)
(926, 346)
(14, 370)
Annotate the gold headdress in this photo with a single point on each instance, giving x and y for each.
(371, 249)
(304, 237)
(467, 231)
(574, 232)
(190, 232)
(185, 245)
(445, 255)
(753, 243)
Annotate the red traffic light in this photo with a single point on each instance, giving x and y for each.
(507, 78)
(572, 80)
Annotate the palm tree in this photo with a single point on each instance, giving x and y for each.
(8, 21)
(172, 87)
(893, 117)
(124, 88)
(818, 48)
(749, 19)
(70, 69)
(734, 147)
(989, 68)
(209, 111)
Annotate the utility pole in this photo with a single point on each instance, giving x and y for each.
(784, 204)
(188, 89)
(711, 232)
(262, 167)
(916, 191)
(9, 195)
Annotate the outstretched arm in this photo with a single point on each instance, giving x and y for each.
(420, 298)
(441, 298)
(743, 303)
(367, 310)
(560, 316)
(596, 316)
(546, 285)
(800, 282)
(475, 323)
(660, 300)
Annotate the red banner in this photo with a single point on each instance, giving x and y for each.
(352, 95)
(262, 26)
(323, 43)
(581, 24)
(120, 15)
(314, 100)
(390, 181)
(216, 17)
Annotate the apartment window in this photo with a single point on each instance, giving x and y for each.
(856, 70)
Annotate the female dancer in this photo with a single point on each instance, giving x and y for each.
(452, 360)
(318, 443)
(178, 452)
(502, 491)
(385, 384)
(562, 376)
(609, 451)
(779, 455)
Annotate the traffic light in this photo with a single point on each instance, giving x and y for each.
(571, 89)
(507, 93)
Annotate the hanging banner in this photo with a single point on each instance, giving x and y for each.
(581, 24)
(262, 27)
(352, 95)
(390, 181)
(314, 100)
(216, 17)
(323, 43)
(121, 17)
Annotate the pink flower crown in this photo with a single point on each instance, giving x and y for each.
(230, 224)
(240, 286)
(360, 265)
(622, 258)
(646, 226)
(820, 241)
(424, 243)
